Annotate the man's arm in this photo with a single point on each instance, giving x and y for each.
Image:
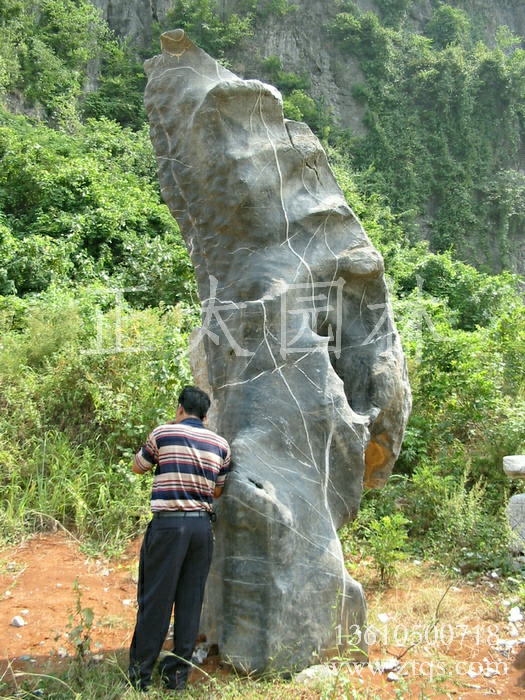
(146, 457)
(136, 468)
(224, 470)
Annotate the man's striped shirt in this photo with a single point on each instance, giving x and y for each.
(190, 462)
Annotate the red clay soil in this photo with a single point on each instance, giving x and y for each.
(37, 584)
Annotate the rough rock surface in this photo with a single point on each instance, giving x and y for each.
(133, 19)
(514, 466)
(516, 520)
(299, 40)
(302, 355)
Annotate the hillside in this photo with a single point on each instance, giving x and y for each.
(427, 98)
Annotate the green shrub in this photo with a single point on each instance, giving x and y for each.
(206, 25)
(86, 207)
(469, 538)
(448, 25)
(283, 81)
(120, 89)
(394, 11)
(475, 297)
(423, 499)
(386, 543)
(269, 8)
(301, 107)
(82, 383)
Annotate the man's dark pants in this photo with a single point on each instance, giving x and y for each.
(175, 560)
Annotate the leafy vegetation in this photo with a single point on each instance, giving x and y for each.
(45, 50)
(83, 378)
(444, 126)
(297, 103)
(91, 204)
(387, 539)
(212, 30)
(79, 626)
(120, 90)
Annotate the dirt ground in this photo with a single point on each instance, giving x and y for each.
(37, 581)
(472, 652)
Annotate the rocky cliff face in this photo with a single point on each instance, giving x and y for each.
(132, 19)
(300, 42)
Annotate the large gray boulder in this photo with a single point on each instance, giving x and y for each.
(300, 349)
(514, 466)
(516, 520)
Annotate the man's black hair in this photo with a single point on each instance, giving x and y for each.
(194, 401)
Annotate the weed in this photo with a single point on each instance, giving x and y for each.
(79, 626)
(387, 539)
(470, 538)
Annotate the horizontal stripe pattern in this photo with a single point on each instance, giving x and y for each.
(190, 462)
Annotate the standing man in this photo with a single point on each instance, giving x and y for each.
(191, 463)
